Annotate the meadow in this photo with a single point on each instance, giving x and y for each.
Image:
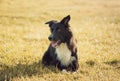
(24, 39)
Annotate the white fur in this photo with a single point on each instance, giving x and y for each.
(64, 54)
(64, 71)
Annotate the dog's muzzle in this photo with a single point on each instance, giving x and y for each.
(54, 42)
(50, 37)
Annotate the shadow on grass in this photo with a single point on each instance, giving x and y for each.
(90, 63)
(23, 70)
(115, 63)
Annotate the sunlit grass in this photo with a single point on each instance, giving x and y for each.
(24, 39)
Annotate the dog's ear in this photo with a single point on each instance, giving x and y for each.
(65, 20)
(51, 22)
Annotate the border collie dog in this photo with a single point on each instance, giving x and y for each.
(62, 52)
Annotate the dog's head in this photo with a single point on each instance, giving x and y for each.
(60, 32)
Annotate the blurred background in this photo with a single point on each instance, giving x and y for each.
(24, 39)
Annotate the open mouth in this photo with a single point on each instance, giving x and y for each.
(55, 43)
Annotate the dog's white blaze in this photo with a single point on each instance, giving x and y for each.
(63, 54)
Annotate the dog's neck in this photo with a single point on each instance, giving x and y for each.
(63, 54)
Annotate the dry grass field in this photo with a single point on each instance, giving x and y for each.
(24, 39)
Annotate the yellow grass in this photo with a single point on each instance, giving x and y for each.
(23, 39)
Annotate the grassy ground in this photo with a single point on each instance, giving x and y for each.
(23, 39)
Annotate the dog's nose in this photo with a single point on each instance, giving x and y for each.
(50, 38)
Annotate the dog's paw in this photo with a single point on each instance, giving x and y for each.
(64, 71)
(74, 72)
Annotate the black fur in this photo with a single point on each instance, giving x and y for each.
(61, 34)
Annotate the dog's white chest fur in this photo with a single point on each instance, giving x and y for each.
(63, 54)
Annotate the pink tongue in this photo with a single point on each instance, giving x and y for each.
(54, 44)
